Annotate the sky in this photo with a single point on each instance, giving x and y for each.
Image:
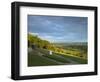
(58, 28)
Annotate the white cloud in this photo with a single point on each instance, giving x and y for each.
(34, 33)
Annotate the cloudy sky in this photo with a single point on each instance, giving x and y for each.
(58, 28)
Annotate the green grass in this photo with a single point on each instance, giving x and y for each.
(40, 57)
(57, 58)
(36, 60)
(79, 60)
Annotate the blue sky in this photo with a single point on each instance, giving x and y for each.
(58, 28)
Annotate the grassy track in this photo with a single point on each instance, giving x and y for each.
(36, 60)
(57, 58)
(79, 60)
(41, 58)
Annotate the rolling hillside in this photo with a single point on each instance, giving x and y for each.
(41, 57)
(62, 53)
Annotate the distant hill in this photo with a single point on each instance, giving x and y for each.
(71, 43)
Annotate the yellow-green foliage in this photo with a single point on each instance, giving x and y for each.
(35, 40)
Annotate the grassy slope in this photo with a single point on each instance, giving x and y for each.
(53, 56)
(79, 60)
(36, 60)
(57, 58)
